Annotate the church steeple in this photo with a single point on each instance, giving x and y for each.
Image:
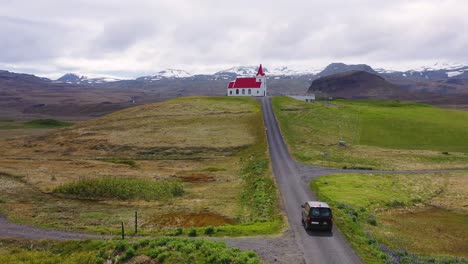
(260, 71)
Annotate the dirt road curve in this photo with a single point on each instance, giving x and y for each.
(10, 230)
(316, 247)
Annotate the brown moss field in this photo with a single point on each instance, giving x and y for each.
(198, 140)
(438, 226)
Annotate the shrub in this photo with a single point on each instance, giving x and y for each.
(121, 246)
(130, 253)
(192, 232)
(163, 256)
(395, 203)
(372, 220)
(209, 230)
(179, 231)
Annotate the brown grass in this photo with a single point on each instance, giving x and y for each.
(437, 226)
(426, 230)
(175, 139)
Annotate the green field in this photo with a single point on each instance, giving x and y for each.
(158, 250)
(408, 217)
(378, 135)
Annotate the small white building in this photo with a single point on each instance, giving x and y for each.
(249, 86)
(306, 98)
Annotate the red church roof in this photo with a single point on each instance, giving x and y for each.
(245, 83)
(260, 71)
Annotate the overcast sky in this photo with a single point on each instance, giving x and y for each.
(138, 37)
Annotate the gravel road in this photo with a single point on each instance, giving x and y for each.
(316, 247)
(10, 230)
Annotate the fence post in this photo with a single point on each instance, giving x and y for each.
(136, 222)
(123, 231)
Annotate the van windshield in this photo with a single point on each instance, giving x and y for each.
(320, 212)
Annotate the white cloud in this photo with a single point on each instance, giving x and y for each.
(138, 37)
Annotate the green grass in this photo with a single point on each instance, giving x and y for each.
(46, 123)
(213, 169)
(158, 250)
(38, 123)
(362, 203)
(410, 126)
(122, 189)
(259, 198)
(130, 163)
(370, 128)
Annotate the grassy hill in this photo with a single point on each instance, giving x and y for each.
(379, 135)
(86, 177)
(356, 85)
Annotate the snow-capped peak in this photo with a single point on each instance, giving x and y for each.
(241, 71)
(287, 71)
(72, 78)
(166, 74)
(172, 73)
(440, 66)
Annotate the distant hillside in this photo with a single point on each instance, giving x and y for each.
(355, 85)
(6, 75)
(335, 68)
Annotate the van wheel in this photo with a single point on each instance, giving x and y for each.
(307, 226)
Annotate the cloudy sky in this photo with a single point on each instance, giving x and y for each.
(139, 37)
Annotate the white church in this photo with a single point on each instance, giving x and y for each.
(249, 86)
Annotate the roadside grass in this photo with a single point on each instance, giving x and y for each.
(378, 135)
(211, 145)
(122, 189)
(403, 218)
(156, 250)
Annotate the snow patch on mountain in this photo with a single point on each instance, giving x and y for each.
(274, 71)
(451, 74)
(166, 74)
(72, 78)
(440, 66)
(293, 71)
(381, 70)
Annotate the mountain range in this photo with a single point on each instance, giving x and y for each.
(436, 72)
(26, 95)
